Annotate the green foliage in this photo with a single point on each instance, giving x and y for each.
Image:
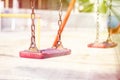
(115, 10)
(83, 1)
(85, 6)
(103, 7)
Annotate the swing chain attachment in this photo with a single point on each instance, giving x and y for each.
(97, 22)
(33, 47)
(59, 43)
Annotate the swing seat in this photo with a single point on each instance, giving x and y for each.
(96, 45)
(102, 45)
(109, 44)
(45, 53)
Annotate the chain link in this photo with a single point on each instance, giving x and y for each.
(109, 23)
(59, 43)
(33, 43)
(97, 21)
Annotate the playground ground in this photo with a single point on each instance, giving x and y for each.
(83, 64)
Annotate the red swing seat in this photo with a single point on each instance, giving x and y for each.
(45, 53)
(105, 44)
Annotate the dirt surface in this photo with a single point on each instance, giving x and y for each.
(83, 64)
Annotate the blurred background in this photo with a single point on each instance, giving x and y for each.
(22, 8)
(14, 13)
(83, 64)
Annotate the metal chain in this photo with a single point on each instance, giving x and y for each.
(33, 43)
(59, 43)
(97, 22)
(109, 23)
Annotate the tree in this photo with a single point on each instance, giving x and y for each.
(85, 6)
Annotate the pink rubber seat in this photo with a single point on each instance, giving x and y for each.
(102, 45)
(45, 53)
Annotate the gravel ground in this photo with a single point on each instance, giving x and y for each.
(83, 64)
